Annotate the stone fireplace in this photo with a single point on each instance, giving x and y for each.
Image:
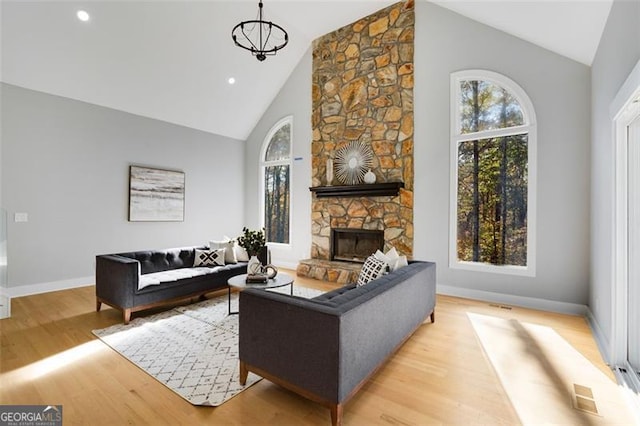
(362, 90)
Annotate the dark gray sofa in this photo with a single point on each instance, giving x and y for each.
(326, 348)
(118, 278)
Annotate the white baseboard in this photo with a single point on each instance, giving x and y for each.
(599, 336)
(28, 290)
(286, 265)
(508, 299)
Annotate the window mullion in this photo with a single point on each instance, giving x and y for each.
(488, 134)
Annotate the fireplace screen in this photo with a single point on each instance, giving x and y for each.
(355, 245)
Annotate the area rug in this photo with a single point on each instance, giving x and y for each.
(193, 349)
(546, 379)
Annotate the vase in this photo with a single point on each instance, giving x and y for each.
(369, 177)
(254, 267)
(329, 172)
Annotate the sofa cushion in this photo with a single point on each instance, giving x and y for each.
(372, 269)
(162, 260)
(348, 294)
(157, 278)
(213, 257)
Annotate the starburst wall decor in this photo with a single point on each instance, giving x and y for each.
(352, 162)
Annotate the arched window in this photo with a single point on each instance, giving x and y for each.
(275, 164)
(493, 152)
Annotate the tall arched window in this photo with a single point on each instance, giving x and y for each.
(276, 172)
(493, 152)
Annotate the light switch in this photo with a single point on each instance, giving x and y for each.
(21, 217)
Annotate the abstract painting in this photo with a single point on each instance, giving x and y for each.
(155, 195)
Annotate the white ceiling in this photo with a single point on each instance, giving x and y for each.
(170, 60)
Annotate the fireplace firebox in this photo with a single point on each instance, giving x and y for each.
(355, 245)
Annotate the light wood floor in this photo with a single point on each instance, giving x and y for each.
(440, 376)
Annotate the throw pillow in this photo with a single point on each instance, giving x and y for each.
(402, 261)
(373, 268)
(391, 258)
(209, 258)
(227, 245)
(241, 253)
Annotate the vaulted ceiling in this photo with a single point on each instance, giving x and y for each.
(171, 60)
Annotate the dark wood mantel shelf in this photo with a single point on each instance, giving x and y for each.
(362, 190)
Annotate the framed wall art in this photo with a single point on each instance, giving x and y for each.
(155, 195)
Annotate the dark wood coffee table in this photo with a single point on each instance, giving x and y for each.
(240, 282)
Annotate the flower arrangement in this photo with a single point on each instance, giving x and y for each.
(252, 241)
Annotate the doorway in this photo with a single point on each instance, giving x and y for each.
(633, 255)
(625, 343)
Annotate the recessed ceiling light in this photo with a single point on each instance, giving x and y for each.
(83, 15)
(231, 80)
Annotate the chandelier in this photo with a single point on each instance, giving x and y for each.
(260, 37)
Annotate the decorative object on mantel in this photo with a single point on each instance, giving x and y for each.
(371, 190)
(254, 243)
(369, 177)
(352, 162)
(260, 37)
(329, 171)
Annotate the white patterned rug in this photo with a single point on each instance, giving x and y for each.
(193, 349)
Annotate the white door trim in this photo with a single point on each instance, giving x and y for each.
(623, 111)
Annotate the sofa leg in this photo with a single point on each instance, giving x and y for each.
(336, 415)
(433, 316)
(126, 314)
(243, 373)
(98, 305)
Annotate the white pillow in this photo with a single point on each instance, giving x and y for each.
(402, 261)
(209, 258)
(391, 258)
(227, 245)
(241, 253)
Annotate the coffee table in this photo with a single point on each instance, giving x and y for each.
(240, 282)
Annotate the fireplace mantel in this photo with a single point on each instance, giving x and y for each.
(362, 190)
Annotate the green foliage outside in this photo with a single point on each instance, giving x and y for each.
(492, 179)
(276, 187)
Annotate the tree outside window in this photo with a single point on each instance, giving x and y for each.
(276, 165)
(492, 136)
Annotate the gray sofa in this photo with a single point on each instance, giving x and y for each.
(144, 279)
(326, 348)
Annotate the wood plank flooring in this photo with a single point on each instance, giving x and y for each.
(48, 355)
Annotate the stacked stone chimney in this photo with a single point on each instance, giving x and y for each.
(362, 90)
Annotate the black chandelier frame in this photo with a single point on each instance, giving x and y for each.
(259, 48)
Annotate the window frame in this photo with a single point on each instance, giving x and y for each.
(263, 164)
(529, 127)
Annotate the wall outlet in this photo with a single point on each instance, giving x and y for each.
(21, 217)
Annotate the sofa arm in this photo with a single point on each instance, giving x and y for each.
(116, 280)
(291, 338)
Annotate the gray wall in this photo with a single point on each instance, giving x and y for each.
(559, 88)
(66, 164)
(293, 99)
(618, 52)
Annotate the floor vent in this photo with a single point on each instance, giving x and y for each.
(500, 306)
(583, 399)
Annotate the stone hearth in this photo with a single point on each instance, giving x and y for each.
(333, 271)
